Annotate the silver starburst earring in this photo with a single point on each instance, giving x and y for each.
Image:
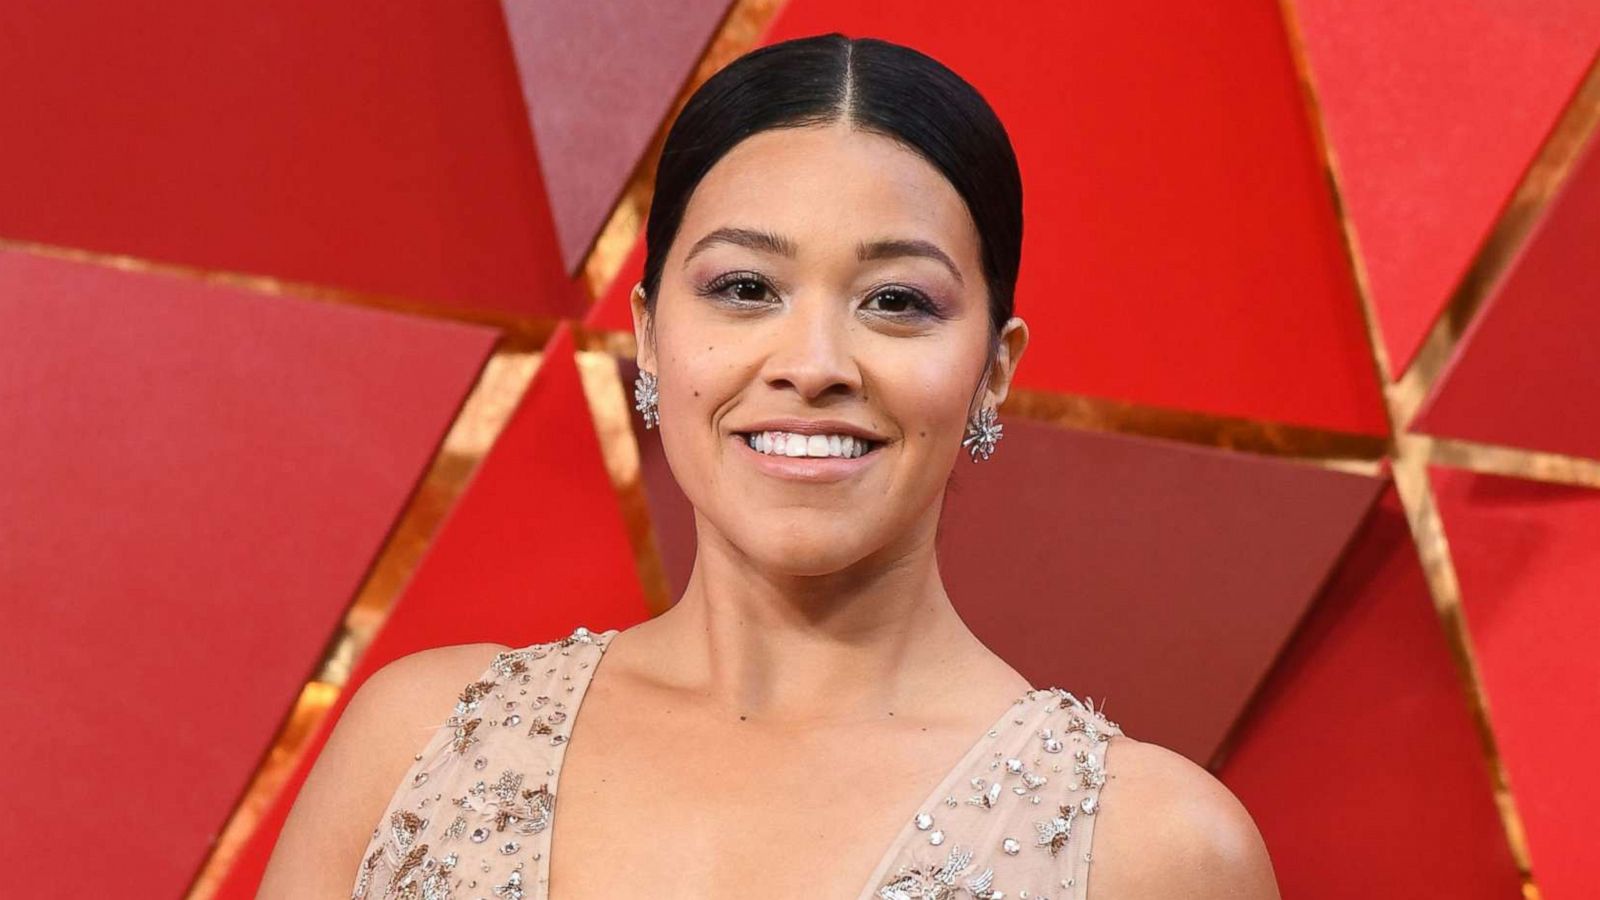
(645, 397)
(983, 432)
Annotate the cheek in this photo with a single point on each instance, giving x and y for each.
(931, 397)
(697, 381)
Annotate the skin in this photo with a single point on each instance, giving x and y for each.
(814, 681)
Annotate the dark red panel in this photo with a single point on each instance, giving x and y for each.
(1530, 584)
(375, 145)
(535, 547)
(1526, 373)
(1359, 761)
(1434, 112)
(598, 79)
(1159, 576)
(193, 482)
(1182, 248)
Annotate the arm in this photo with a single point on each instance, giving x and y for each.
(387, 722)
(1170, 829)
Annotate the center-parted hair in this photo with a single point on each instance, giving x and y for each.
(873, 85)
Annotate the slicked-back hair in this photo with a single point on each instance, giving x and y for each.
(875, 86)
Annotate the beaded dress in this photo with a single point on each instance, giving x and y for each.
(471, 819)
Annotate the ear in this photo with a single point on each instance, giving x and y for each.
(1008, 353)
(643, 330)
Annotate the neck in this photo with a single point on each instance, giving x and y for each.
(848, 645)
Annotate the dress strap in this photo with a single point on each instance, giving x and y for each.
(1084, 733)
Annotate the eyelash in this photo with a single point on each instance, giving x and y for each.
(921, 304)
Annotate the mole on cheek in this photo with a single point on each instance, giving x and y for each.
(697, 393)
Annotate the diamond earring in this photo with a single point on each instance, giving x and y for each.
(982, 434)
(645, 397)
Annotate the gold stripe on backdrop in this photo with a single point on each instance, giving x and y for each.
(534, 328)
(1541, 181)
(1361, 454)
(499, 389)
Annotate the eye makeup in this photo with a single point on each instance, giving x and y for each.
(919, 304)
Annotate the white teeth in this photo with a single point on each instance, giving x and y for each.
(780, 443)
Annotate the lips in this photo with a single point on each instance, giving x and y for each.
(807, 469)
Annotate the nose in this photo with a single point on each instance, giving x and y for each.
(811, 351)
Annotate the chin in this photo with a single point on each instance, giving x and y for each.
(801, 551)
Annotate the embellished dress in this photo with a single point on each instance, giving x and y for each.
(471, 819)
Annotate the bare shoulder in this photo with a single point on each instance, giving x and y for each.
(389, 719)
(1168, 828)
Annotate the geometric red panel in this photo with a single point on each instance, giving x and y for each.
(1118, 566)
(193, 482)
(1530, 585)
(598, 79)
(534, 547)
(1359, 761)
(375, 146)
(1434, 111)
(1525, 373)
(1182, 249)
(1158, 576)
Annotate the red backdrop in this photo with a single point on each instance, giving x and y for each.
(254, 262)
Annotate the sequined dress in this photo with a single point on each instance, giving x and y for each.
(471, 819)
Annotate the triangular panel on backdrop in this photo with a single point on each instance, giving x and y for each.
(1157, 577)
(194, 480)
(1524, 553)
(1359, 760)
(394, 160)
(1526, 373)
(1433, 119)
(535, 546)
(598, 79)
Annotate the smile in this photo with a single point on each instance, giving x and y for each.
(788, 456)
(813, 446)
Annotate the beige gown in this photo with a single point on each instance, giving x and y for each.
(471, 819)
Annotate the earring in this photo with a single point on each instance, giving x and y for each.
(645, 397)
(982, 433)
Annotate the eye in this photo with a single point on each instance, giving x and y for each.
(743, 288)
(900, 301)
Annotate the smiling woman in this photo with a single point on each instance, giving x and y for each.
(824, 321)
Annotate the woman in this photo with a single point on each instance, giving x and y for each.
(825, 323)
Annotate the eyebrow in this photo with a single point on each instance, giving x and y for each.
(767, 242)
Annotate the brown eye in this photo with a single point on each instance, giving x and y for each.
(739, 288)
(900, 302)
(893, 301)
(748, 289)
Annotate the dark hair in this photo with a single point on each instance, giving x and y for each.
(874, 85)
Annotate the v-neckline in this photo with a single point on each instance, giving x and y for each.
(886, 860)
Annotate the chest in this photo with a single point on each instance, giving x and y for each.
(680, 804)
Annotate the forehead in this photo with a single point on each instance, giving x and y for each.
(830, 186)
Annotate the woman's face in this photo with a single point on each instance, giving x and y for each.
(824, 289)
